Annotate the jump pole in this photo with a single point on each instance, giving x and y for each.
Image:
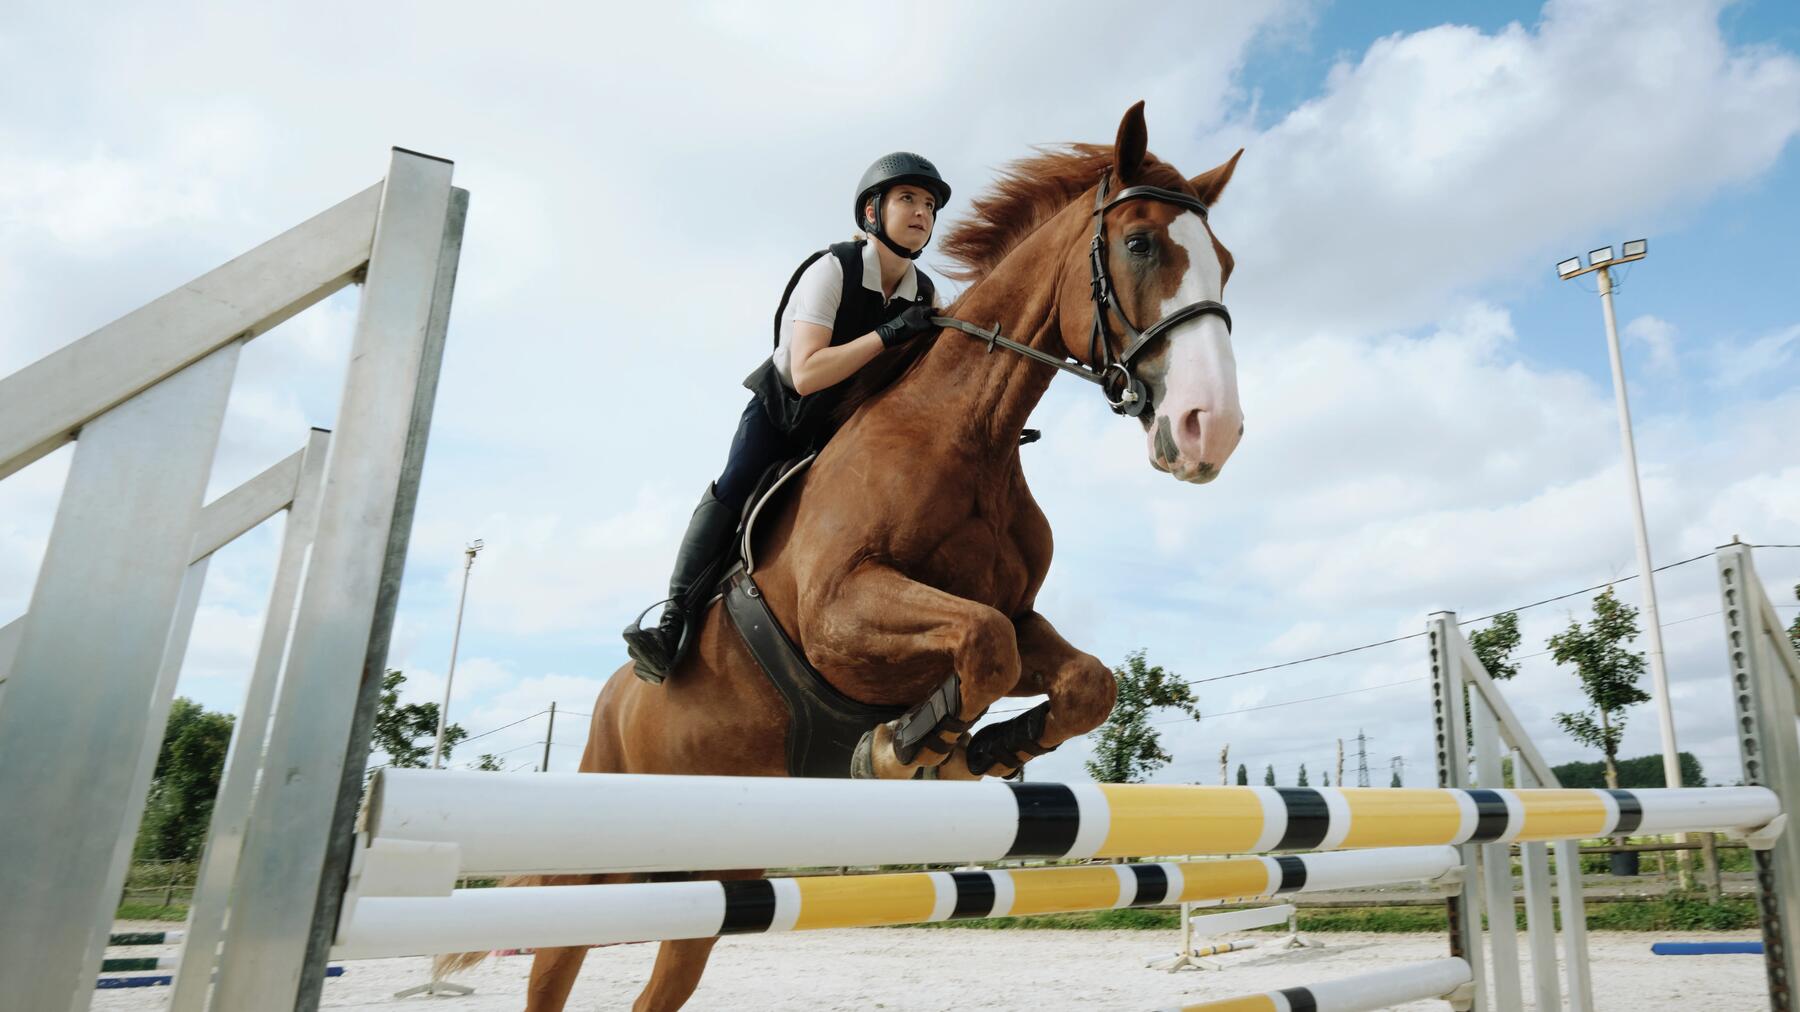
(591, 822)
(163, 979)
(1241, 920)
(1369, 992)
(1233, 920)
(478, 920)
(145, 937)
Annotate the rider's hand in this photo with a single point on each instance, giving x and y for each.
(912, 321)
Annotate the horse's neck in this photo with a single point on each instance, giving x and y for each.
(987, 396)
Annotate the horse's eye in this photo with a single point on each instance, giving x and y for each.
(1139, 245)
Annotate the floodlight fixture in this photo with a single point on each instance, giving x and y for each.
(1568, 267)
(1636, 248)
(1600, 256)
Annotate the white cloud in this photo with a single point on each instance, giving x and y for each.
(1657, 335)
(1448, 158)
(1768, 357)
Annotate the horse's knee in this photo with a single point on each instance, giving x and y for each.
(988, 657)
(1082, 697)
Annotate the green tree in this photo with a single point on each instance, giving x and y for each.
(398, 729)
(488, 761)
(1301, 781)
(1127, 749)
(189, 766)
(1243, 777)
(1326, 777)
(1394, 781)
(1609, 675)
(1794, 630)
(1494, 645)
(1269, 776)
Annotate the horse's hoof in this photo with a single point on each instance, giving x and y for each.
(862, 758)
(874, 759)
(955, 766)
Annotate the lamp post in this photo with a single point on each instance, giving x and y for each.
(1600, 262)
(437, 751)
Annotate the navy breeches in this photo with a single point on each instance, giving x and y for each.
(757, 445)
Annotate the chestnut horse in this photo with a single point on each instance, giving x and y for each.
(912, 548)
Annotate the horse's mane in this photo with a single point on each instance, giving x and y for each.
(1028, 193)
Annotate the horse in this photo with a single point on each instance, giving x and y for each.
(912, 546)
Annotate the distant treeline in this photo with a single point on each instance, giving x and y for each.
(1644, 771)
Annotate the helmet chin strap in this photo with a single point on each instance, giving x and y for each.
(880, 232)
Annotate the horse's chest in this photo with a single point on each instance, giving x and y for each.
(982, 561)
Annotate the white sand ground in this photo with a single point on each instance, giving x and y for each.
(921, 970)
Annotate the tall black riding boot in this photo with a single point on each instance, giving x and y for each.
(655, 650)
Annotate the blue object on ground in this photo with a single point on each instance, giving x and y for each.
(163, 979)
(1707, 948)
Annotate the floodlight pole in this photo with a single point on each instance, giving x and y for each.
(1659, 672)
(437, 751)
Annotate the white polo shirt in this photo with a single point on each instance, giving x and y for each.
(821, 289)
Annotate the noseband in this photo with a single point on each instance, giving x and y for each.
(1112, 373)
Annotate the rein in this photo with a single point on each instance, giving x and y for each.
(1124, 392)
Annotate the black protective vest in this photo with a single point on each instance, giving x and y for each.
(806, 419)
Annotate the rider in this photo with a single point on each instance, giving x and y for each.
(842, 308)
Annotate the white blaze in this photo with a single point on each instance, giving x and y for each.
(1202, 372)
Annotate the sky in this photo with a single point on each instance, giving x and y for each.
(1431, 421)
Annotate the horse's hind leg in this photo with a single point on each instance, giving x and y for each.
(1081, 691)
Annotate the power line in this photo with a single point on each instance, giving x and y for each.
(1291, 702)
(1589, 590)
(1463, 622)
(502, 727)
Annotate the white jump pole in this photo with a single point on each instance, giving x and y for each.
(1369, 992)
(534, 917)
(1241, 920)
(576, 822)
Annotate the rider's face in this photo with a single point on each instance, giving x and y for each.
(909, 212)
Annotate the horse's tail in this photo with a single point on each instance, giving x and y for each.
(456, 962)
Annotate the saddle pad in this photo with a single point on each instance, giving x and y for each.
(824, 724)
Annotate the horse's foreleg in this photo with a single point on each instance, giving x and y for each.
(553, 973)
(1081, 691)
(679, 964)
(877, 619)
(678, 969)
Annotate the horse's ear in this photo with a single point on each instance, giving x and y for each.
(1128, 150)
(1211, 183)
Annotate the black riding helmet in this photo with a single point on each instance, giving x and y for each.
(888, 171)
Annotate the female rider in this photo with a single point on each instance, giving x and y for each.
(843, 307)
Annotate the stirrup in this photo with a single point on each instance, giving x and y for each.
(639, 641)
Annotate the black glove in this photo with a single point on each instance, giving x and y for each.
(912, 321)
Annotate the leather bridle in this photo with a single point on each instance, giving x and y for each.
(1112, 373)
